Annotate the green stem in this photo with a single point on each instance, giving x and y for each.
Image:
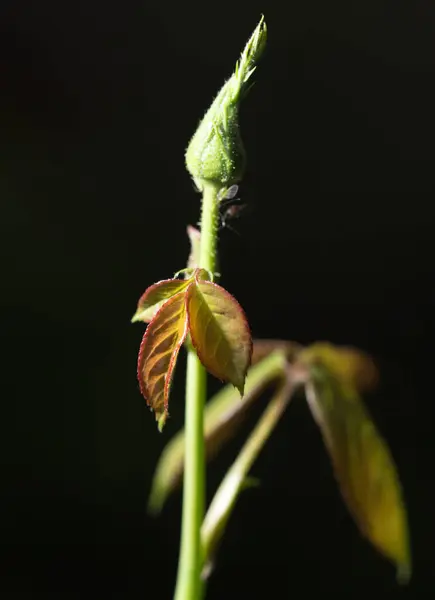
(189, 584)
(190, 561)
(209, 227)
(225, 498)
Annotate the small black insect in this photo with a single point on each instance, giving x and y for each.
(230, 207)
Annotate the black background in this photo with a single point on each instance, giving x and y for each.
(98, 101)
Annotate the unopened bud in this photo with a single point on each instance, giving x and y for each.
(216, 153)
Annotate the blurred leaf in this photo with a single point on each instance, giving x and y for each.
(263, 348)
(345, 363)
(362, 461)
(154, 297)
(223, 416)
(158, 354)
(195, 246)
(237, 478)
(219, 332)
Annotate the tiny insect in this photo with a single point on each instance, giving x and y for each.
(228, 194)
(230, 207)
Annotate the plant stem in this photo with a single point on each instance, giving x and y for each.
(209, 227)
(190, 561)
(225, 498)
(189, 584)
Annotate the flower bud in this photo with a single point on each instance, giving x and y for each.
(216, 153)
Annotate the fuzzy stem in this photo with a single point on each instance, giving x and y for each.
(189, 584)
(209, 227)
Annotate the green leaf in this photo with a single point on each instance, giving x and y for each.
(347, 364)
(154, 297)
(158, 354)
(362, 462)
(219, 332)
(223, 415)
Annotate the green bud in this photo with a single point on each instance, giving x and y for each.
(216, 153)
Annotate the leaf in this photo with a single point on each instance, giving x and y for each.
(223, 416)
(154, 297)
(345, 363)
(362, 462)
(158, 354)
(263, 348)
(219, 332)
(195, 246)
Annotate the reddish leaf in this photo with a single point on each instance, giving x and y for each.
(158, 354)
(219, 332)
(362, 461)
(155, 296)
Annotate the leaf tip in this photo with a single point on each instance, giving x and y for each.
(161, 420)
(404, 572)
(404, 560)
(241, 388)
(153, 507)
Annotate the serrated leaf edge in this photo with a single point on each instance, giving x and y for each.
(172, 361)
(244, 318)
(152, 288)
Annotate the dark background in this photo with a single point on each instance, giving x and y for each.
(97, 103)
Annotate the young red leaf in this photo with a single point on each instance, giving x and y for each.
(158, 354)
(219, 332)
(155, 296)
(362, 461)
